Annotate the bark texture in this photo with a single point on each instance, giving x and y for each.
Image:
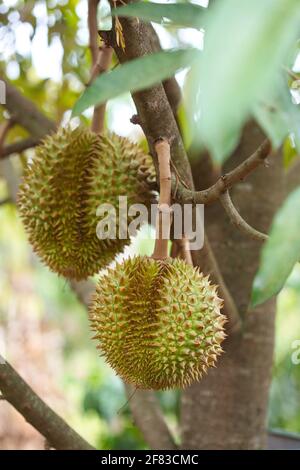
(227, 409)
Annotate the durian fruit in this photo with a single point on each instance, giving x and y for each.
(73, 172)
(158, 323)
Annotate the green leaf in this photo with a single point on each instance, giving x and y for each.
(280, 252)
(245, 44)
(187, 15)
(278, 115)
(135, 75)
(289, 152)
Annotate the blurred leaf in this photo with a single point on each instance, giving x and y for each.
(135, 75)
(279, 116)
(289, 152)
(107, 399)
(245, 44)
(182, 14)
(281, 251)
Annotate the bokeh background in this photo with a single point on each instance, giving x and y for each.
(44, 329)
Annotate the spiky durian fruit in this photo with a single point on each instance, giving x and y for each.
(158, 323)
(73, 172)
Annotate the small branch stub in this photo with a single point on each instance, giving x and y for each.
(163, 223)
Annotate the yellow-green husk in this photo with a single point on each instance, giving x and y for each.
(158, 323)
(72, 173)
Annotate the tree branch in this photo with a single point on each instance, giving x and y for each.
(19, 146)
(226, 181)
(101, 59)
(21, 396)
(25, 113)
(149, 419)
(238, 220)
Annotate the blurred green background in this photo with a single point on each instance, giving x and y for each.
(44, 329)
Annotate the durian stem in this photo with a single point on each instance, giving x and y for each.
(101, 59)
(102, 65)
(184, 250)
(163, 222)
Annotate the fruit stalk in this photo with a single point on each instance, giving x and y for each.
(163, 221)
(101, 60)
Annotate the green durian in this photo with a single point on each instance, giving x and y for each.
(72, 173)
(157, 323)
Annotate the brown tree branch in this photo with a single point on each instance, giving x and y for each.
(149, 419)
(25, 113)
(21, 396)
(226, 181)
(238, 220)
(19, 146)
(93, 29)
(101, 59)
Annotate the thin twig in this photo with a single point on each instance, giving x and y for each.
(93, 28)
(238, 220)
(163, 224)
(226, 181)
(21, 396)
(19, 146)
(101, 59)
(291, 73)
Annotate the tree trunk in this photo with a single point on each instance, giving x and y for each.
(228, 408)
